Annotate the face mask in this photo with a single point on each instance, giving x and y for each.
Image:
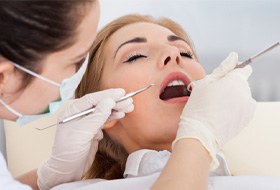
(66, 89)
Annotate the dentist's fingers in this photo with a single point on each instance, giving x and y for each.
(226, 66)
(92, 121)
(92, 99)
(244, 72)
(116, 115)
(226, 69)
(121, 109)
(125, 106)
(205, 81)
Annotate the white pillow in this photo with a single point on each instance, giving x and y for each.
(256, 151)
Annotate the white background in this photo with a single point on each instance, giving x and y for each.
(217, 28)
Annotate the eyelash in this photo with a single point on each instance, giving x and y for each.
(187, 54)
(134, 57)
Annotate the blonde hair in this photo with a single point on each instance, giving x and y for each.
(111, 157)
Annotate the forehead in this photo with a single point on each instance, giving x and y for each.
(87, 28)
(141, 29)
(86, 32)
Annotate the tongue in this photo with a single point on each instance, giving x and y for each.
(174, 92)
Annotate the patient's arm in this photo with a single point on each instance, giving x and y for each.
(187, 168)
(29, 178)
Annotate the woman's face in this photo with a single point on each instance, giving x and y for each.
(140, 54)
(56, 66)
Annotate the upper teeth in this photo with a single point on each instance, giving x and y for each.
(176, 83)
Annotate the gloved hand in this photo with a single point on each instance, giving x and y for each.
(219, 107)
(76, 142)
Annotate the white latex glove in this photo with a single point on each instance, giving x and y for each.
(219, 107)
(76, 142)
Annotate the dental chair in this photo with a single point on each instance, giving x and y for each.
(256, 151)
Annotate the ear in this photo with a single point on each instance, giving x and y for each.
(110, 124)
(6, 71)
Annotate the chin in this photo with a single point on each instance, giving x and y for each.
(167, 146)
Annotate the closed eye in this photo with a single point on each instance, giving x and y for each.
(186, 54)
(134, 57)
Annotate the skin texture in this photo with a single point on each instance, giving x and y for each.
(56, 66)
(153, 123)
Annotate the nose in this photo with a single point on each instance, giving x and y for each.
(169, 59)
(170, 56)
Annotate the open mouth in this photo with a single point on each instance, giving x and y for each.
(174, 86)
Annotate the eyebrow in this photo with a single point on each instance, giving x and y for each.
(170, 38)
(173, 38)
(134, 40)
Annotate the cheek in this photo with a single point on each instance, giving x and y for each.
(124, 81)
(195, 70)
(152, 120)
(33, 101)
(129, 77)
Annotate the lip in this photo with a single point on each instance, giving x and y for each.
(174, 76)
(177, 100)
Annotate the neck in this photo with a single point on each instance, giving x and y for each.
(6, 112)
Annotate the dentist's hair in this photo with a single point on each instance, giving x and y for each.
(29, 30)
(111, 157)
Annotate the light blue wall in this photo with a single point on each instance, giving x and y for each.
(217, 28)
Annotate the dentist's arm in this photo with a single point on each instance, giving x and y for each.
(219, 107)
(76, 142)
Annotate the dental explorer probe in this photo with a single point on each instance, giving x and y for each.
(251, 59)
(243, 63)
(91, 110)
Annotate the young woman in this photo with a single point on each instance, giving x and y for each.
(135, 51)
(43, 55)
